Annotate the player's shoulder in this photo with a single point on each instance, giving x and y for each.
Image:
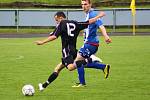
(63, 21)
(70, 21)
(92, 13)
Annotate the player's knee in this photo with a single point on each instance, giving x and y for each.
(71, 67)
(80, 63)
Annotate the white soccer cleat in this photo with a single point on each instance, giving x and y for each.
(95, 59)
(41, 88)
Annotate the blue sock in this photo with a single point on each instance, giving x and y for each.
(81, 75)
(96, 65)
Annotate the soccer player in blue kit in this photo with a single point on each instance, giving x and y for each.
(91, 43)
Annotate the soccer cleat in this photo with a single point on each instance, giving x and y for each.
(41, 88)
(106, 71)
(96, 59)
(78, 85)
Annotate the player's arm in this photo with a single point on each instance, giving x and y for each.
(104, 33)
(84, 25)
(50, 38)
(92, 20)
(53, 35)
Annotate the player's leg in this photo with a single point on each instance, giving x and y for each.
(85, 52)
(81, 73)
(52, 77)
(81, 78)
(84, 57)
(82, 54)
(96, 63)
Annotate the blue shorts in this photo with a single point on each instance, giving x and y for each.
(87, 50)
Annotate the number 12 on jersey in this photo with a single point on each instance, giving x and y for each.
(70, 28)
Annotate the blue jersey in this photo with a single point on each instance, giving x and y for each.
(90, 33)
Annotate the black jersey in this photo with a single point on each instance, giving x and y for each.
(69, 30)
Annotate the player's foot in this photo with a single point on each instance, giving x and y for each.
(96, 59)
(41, 88)
(106, 71)
(78, 85)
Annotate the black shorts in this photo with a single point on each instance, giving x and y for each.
(69, 58)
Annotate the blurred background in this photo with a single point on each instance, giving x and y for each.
(36, 16)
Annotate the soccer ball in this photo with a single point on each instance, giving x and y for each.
(28, 90)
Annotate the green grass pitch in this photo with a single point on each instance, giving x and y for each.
(22, 62)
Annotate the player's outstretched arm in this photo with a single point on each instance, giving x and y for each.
(50, 38)
(104, 33)
(92, 20)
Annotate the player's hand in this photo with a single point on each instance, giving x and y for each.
(108, 40)
(39, 42)
(101, 14)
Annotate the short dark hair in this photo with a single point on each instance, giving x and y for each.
(89, 1)
(60, 14)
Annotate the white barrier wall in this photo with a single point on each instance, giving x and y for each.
(44, 17)
(7, 18)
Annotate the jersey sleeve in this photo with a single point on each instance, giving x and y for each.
(99, 22)
(57, 31)
(83, 25)
(94, 14)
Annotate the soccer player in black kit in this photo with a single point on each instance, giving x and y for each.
(68, 30)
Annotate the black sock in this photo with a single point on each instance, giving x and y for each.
(51, 78)
(83, 62)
